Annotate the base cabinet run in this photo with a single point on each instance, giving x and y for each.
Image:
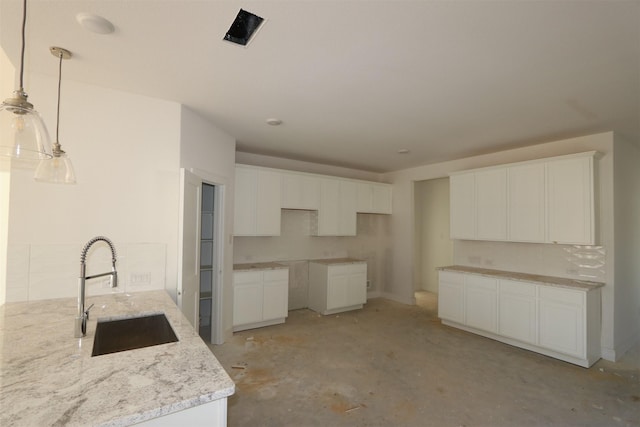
(334, 288)
(559, 322)
(260, 298)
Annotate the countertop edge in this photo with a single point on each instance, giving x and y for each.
(560, 282)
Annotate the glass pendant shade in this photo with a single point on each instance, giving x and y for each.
(57, 170)
(23, 134)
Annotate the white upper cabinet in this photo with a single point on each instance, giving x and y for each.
(261, 193)
(337, 211)
(491, 204)
(527, 203)
(300, 191)
(570, 207)
(463, 213)
(542, 201)
(257, 202)
(374, 198)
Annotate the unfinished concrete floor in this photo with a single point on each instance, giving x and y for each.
(395, 365)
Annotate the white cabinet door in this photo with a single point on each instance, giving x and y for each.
(491, 204)
(451, 296)
(348, 201)
(357, 284)
(300, 191)
(462, 206)
(337, 291)
(570, 207)
(517, 316)
(247, 298)
(329, 210)
(337, 211)
(257, 203)
(561, 316)
(374, 198)
(275, 304)
(526, 199)
(481, 299)
(244, 213)
(268, 203)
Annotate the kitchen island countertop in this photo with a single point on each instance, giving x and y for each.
(47, 377)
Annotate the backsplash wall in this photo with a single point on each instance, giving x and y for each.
(43, 271)
(570, 261)
(296, 245)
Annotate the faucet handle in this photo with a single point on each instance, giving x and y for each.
(86, 312)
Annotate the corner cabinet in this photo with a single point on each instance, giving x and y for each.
(257, 202)
(337, 285)
(557, 321)
(260, 296)
(541, 201)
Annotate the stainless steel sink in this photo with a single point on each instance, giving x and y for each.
(113, 336)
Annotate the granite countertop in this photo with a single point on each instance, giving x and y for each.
(48, 378)
(560, 282)
(332, 261)
(258, 266)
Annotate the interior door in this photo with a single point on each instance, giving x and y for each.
(189, 248)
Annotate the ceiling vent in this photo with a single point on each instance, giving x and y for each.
(243, 28)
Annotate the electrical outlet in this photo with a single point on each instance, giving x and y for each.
(368, 284)
(140, 278)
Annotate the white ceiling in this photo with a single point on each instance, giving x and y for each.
(354, 81)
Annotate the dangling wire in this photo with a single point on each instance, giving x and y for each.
(59, 84)
(24, 26)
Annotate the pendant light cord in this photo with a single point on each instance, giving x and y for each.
(24, 25)
(59, 84)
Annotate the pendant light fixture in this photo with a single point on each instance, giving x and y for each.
(23, 134)
(57, 170)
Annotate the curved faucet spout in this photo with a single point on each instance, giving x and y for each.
(83, 315)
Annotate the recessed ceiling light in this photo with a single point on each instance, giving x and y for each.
(274, 122)
(95, 23)
(403, 151)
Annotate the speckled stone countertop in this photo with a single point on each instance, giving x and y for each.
(258, 266)
(332, 261)
(48, 378)
(525, 277)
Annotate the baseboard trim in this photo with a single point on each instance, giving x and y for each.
(615, 354)
(393, 297)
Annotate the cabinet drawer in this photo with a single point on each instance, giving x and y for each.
(276, 275)
(566, 296)
(450, 277)
(517, 288)
(341, 270)
(246, 277)
(480, 282)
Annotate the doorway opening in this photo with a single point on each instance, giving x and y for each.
(208, 295)
(433, 246)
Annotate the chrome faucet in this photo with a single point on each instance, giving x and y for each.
(83, 315)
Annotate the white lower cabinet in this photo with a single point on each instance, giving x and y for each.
(556, 321)
(260, 298)
(334, 288)
(517, 311)
(481, 300)
(451, 296)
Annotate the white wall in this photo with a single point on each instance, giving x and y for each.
(125, 149)
(627, 243)
(402, 227)
(7, 73)
(434, 248)
(210, 153)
